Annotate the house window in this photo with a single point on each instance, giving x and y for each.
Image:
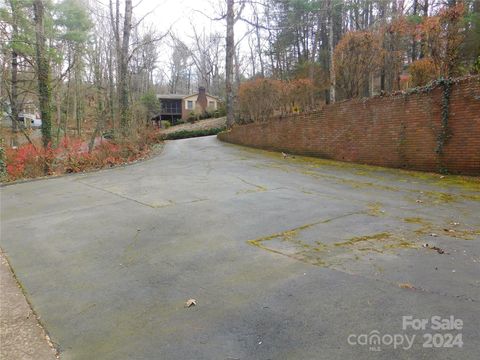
(211, 105)
(189, 105)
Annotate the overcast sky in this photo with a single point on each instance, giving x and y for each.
(178, 17)
(179, 14)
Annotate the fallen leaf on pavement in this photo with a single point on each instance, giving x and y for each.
(436, 248)
(406, 286)
(190, 303)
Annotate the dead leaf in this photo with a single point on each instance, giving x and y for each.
(436, 248)
(190, 303)
(406, 286)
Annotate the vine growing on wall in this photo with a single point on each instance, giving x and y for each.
(444, 132)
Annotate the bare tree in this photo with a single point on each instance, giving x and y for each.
(205, 52)
(180, 67)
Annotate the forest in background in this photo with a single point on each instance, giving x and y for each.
(93, 69)
(319, 52)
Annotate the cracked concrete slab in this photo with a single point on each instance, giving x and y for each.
(286, 257)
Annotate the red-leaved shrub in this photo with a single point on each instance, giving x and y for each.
(72, 155)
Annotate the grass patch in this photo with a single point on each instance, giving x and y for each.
(185, 134)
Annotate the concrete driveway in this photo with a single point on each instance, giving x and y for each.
(287, 258)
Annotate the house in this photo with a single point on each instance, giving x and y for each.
(175, 107)
(30, 120)
(24, 120)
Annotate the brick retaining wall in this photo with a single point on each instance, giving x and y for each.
(399, 131)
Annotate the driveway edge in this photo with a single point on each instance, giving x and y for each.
(23, 335)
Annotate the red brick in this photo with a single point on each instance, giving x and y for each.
(395, 131)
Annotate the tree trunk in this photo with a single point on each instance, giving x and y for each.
(14, 96)
(123, 80)
(414, 42)
(382, 11)
(423, 40)
(100, 111)
(75, 95)
(189, 79)
(111, 92)
(230, 54)
(58, 106)
(452, 48)
(252, 60)
(237, 72)
(67, 102)
(43, 72)
(14, 73)
(331, 48)
(259, 48)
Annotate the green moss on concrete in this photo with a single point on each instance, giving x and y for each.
(414, 220)
(375, 209)
(467, 183)
(357, 239)
(427, 228)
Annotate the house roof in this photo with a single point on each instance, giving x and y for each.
(171, 96)
(181, 96)
(196, 94)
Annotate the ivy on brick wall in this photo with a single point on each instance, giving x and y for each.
(444, 132)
